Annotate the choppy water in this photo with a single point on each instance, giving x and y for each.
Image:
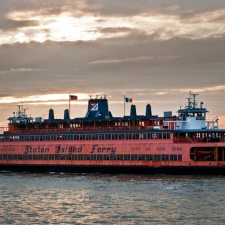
(111, 199)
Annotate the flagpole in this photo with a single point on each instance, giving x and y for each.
(69, 106)
(124, 104)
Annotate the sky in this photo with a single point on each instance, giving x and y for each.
(153, 51)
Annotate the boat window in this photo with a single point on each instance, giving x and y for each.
(82, 137)
(126, 157)
(80, 157)
(157, 157)
(45, 157)
(150, 157)
(51, 157)
(107, 136)
(112, 157)
(114, 136)
(174, 157)
(120, 136)
(102, 136)
(101, 157)
(88, 137)
(134, 157)
(104, 157)
(93, 157)
(141, 157)
(47, 138)
(207, 153)
(86, 157)
(119, 157)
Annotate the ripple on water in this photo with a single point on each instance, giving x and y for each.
(114, 199)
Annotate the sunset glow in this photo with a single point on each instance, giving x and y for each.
(68, 26)
(43, 99)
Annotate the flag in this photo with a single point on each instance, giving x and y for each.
(73, 97)
(128, 99)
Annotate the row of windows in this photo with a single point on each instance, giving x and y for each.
(94, 136)
(93, 157)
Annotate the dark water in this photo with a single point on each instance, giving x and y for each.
(111, 199)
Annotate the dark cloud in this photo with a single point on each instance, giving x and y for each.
(195, 7)
(38, 7)
(144, 64)
(130, 8)
(4, 95)
(111, 30)
(109, 7)
(10, 24)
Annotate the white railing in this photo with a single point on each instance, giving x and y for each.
(212, 124)
(173, 125)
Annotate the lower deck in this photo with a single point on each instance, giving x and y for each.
(144, 156)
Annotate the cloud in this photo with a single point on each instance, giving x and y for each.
(94, 20)
(216, 17)
(135, 59)
(20, 70)
(214, 89)
(42, 99)
(114, 61)
(10, 24)
(139, 61)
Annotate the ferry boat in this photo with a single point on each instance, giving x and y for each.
(100, 143)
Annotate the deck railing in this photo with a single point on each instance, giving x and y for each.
(197, 140)
(78, 129)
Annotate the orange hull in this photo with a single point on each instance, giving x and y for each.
(119, 153)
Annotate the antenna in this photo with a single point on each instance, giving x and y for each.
(20, 109)
(194, 100)
(189, 102)
(201, 104)
(24, 112)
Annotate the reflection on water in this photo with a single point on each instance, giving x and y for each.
(112, 199)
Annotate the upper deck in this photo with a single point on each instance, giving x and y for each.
(190, 124)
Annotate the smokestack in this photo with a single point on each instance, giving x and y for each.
(51, 116)
(148, 110)
(133, 112)
(66, 115)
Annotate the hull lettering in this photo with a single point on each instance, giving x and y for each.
(99, 149)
